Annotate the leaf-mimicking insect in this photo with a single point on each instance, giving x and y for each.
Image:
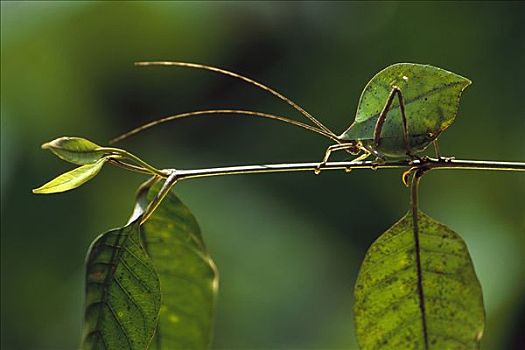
(402, 110)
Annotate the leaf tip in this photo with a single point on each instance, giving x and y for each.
(56, 143)
(39, 190)
(46, 189)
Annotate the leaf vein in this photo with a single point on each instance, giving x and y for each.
(132, 299)
(134, 274)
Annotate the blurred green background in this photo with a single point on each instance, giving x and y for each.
(288, 246)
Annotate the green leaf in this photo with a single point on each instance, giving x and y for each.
(122, 292)
(436, 306)
(72, 179)
(431, 97)
(187, 273)
(75, 150)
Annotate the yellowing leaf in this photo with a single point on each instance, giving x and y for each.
(72, 179)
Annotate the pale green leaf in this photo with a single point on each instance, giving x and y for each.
(436, 307)
(431, 97)
(122, 292)
(187, 274)
(72, 179)
(75, 150)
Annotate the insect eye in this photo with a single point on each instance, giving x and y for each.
(354, 150)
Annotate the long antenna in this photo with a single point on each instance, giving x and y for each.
(246, 79)
(223, 111)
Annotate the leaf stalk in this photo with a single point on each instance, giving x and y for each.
(125, 154)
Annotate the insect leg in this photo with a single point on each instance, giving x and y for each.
(404, 119)
(438, 154)
(382, 117)
(380, 158)
(329, 150)
(436, 149)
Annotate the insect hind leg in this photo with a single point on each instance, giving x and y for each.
(396, 91)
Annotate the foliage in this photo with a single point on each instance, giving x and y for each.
(123, 292)
(128, 267)
(75, 150)
(408, 295)
(71, 179)
(152, 284)
(188, 277)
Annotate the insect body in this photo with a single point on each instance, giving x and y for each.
(402, 109)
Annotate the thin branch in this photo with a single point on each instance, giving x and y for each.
(426, 164)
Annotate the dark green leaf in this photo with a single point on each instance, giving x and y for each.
(122, 292)
(71, 179)
(75, 150)
(187, 273)
(394, 303)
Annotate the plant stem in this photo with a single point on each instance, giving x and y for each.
(163, 192)
(427, 164)
(129, 167)
(132, 157)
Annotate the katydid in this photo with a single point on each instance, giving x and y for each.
(420, 101)
(401, 111)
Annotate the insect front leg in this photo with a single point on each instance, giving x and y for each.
(333, 148)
